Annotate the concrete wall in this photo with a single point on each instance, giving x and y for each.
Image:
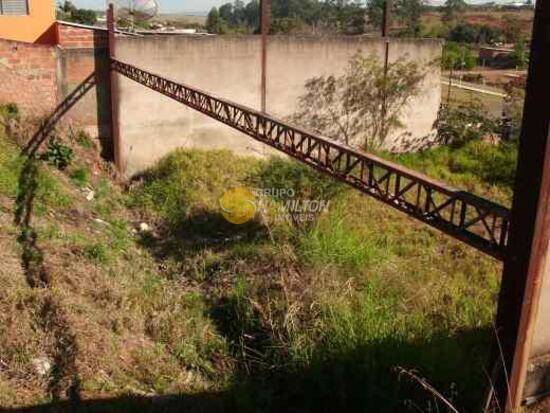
(229, 66)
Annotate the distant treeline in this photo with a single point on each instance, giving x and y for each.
(342, 16)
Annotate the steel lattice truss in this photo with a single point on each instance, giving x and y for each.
(473, 220)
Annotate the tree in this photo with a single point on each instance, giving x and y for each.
(225, 12)
(69, 12)
(363, 106)
(520, 55)
(375, 12)
(466, 123)
(251, 14)
(68, 7)
(214, 23)
(512, 29)
(409, 13)
(84, 16)
(488, 34)
(464, 33)
(452, 8)
(458, 56)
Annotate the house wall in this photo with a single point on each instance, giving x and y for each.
(38, 26)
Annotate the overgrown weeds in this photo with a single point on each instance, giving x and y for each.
(272, 315)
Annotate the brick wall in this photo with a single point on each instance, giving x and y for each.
(28, 76)
(38, 77)
(79, 36)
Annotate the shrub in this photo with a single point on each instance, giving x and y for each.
(80, 176)
(97, 253)
(9, 111)
(494, 164)
(458, 56)
(464, 33)
(82, 138)
(58, 154)
(464, 123)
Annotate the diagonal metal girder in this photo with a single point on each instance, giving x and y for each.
(478, 222)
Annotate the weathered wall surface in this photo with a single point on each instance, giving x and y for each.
(36, 26)
(39, 77)
(28, 76)
(152, 125)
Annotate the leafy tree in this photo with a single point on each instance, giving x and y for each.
(488, 34)
(364, 105)
(67, 7)
(214, 24)
(285, 25)
(464, 33)
(375, 12)
(225, 12)
(458, 56)
(83, 16)
(409, 13)
(466, 123)
(520, 55)
(69, 12)
(251, 14)
(452, 8)
(512, 29)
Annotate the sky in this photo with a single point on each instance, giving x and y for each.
(166, 6)
(179, 6)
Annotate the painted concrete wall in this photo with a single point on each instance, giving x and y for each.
(229, 66)
(38, 26)
(538, 370)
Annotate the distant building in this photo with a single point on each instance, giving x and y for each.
(499, 57)
(31, 21)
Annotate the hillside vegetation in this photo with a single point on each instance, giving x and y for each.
(98, 311)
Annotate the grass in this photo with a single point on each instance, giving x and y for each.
(267, 316)
(482, 168)
(492, 104)
(316, 305)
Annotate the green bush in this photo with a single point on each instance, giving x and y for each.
(58, 154)
(495, 164)
(82, 138)
(460, 125)
(9, 111)
(97, 253)
(80, 176)
(458, 56)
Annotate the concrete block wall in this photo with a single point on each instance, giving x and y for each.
(151, 125)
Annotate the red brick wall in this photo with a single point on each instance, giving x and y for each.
(28, 76)
(70, 36)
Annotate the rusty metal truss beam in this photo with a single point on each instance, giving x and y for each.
(469, 218)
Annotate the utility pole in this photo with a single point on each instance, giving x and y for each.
(115, 129)
(527, 262)
(264, 29)
(386, 37)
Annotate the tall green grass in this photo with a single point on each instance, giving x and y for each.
(317, 317)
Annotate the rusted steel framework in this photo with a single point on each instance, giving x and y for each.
(473, 220)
